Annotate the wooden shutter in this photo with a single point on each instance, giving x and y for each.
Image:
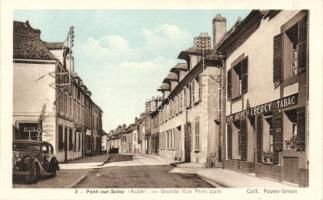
(277, 136)
(300, 139)
(278, 59)
(302, 44)
(259, 138)
(243, 139)
(229, 139)
(244, 75)
(229, 86)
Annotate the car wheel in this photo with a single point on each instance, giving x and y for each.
(33, 174)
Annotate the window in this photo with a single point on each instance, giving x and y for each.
(290, 49)
(197, 136)
(70, 141)
(193, 92)
(238, 79)
(60, 138)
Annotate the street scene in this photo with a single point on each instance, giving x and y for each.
(164, 99)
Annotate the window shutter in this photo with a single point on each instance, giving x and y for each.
(277, 136)
(302, 44)
(244, 75)
(229, 86)
(259, 138)
(300, 139)
(278, 59)
(243, 139)
(229, 139)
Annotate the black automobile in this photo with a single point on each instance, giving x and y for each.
(33, 159)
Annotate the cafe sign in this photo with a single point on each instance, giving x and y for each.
(265, 108)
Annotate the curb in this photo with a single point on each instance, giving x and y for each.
(77, 181)
(212, 182)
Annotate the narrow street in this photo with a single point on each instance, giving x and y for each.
(120, 171)
(141, 177)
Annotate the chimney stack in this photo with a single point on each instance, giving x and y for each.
(219, 29)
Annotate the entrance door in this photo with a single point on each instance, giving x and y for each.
(290, 169)
(187, 144)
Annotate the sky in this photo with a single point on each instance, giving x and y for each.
(123, 55)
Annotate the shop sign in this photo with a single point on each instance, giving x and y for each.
(265, 108)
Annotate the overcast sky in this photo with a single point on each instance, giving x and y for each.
(123, 55)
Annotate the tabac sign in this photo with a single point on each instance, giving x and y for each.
(265, 108)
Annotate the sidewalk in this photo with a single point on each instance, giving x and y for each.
(232, 179)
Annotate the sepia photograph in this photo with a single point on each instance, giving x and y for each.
(117, 101)
(228, 102)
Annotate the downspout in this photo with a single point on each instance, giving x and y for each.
(223, 110)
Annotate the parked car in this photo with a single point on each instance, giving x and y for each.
(33, 159)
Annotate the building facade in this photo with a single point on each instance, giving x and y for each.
(51, 103)
(189, 114)
(266, 65)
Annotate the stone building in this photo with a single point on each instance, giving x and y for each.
(51, 102)
(189, 114)
(266, 67)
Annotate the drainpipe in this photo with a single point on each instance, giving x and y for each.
(223, 110)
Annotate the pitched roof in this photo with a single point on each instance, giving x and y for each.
(54, 45)
(27, 43)
(163, 87)
(179, 66)
(171, 77)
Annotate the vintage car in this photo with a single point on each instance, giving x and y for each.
(33, 159)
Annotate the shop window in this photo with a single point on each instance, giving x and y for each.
(28, 131)
(268, 139)
(290, 49)
(60, 138)
(294, 129)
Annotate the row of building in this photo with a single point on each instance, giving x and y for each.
(240, 103)
(50, 101)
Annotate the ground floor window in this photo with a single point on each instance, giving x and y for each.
(29, 131)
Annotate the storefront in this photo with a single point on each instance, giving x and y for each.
(269, 139)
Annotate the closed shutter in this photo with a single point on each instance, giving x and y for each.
(277, 136)
(229, 139)
(302, 44)
(243, 139)
(244, 75)
(229, 86)
(259, 138)
(278, 59)
(300, 139)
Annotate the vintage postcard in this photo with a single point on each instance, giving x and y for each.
(177, 100)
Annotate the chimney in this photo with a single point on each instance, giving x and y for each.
(219, 28)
